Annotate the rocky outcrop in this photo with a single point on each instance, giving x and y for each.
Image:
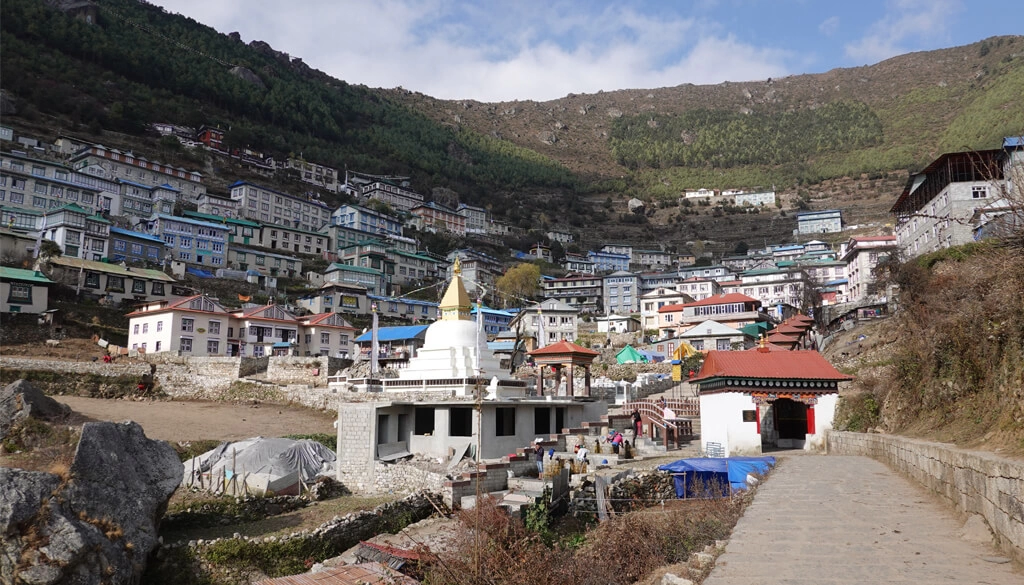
(93, 523)
(21, 400)
(246, 74)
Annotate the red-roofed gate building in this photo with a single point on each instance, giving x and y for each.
(761, 399)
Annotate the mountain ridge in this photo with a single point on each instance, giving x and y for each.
(570, 163)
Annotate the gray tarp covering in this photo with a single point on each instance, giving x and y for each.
(267, 457)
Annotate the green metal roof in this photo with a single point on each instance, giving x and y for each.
(7, 273)
(350, 268)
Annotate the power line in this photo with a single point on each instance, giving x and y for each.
(162, 37)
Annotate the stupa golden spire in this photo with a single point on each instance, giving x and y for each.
(455, 304)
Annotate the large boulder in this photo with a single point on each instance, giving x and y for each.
(20, 400)
(94, 523)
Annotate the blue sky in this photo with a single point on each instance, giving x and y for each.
(507, 50)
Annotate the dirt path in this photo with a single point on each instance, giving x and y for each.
(191, 421)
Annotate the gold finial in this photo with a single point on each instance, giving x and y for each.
(764, 340)
(457, 268)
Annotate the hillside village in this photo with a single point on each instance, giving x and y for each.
(410, 376)
(128, 231)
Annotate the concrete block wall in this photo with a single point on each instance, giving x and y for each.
(357, 439)
(974, 482)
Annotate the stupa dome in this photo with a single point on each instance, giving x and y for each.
(444, 334)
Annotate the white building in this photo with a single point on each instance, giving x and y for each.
(396, 196)
(937, 204)
(755, 199)
(112, 164)
(327, 334)
(861, 257)
(547, 322)
(476, 218)
(192, 326)
(819, 222)
(766, 398)
(656, 299)
(269, 206)
(78, 233)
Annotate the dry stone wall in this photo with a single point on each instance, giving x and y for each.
(118, 368)
(974, 482)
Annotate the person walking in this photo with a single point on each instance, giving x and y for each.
(638, 425)
(538, 454)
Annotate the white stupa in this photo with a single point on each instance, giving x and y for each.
(454, 343)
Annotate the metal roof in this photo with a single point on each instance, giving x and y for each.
(400, 333)
(7, 273)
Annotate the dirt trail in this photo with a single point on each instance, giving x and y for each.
(191, 421)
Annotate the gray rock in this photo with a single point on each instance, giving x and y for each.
(20, 400)
(96, 524)
(671, 579)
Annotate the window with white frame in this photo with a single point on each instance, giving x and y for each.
(186, 344)
(325, 338)
(212, 346)
(188, 324)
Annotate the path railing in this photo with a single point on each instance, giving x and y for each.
(652, 415)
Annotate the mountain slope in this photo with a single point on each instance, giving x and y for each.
(896, 114)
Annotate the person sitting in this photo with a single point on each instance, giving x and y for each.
(615, 438)
(581, 453)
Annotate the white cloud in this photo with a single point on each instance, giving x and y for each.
(504, 52)
(829, 26)
(905, 21)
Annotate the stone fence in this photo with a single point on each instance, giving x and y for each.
(974, 482)
(118, 368)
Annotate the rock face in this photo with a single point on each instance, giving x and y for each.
(20, 400)
(97, 522)
(636, 205)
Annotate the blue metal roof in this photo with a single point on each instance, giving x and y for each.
(394, 333)
(134, 234)
(278, 344)
(1013, 142)
(501, 345)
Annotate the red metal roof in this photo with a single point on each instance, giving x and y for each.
(761, 363)
(787, 328)
(723, 299)
(563, 348)
(361, 574)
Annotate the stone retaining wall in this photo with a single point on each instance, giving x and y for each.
(328, 540)
(974, 482)
(120, 367)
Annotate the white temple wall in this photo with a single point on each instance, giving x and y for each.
(824, 415)
(721, 421)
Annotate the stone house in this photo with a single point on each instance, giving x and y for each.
(23, 291)
(114, 283)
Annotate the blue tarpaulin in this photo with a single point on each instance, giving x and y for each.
(199, 272)
(731, 471)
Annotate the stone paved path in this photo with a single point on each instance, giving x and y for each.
(830, 520)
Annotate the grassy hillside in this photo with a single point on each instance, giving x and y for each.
(951, 365)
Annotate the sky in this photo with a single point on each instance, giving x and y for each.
(504, 50)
